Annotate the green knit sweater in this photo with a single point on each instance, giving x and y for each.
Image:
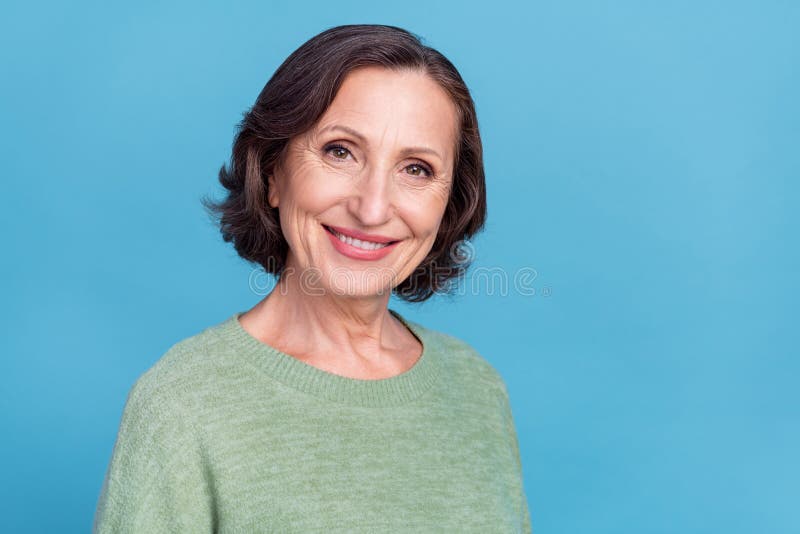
(227, 434)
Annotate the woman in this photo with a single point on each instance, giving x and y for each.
(357, 172)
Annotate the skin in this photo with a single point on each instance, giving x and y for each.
(329, 310)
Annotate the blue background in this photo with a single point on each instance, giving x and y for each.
(642, 157)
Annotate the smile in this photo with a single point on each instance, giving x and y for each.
(366, 245)
(360, 248)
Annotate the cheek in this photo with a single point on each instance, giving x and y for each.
(424, 212)
(313, 188)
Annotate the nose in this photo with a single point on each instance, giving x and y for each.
(371, 201)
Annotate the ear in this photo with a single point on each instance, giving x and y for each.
(272, 193)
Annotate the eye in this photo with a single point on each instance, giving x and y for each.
(337, 151)
(418, 169)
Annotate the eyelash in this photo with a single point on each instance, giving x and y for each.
(426, 168)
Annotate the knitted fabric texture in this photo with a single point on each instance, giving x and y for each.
(225, 433)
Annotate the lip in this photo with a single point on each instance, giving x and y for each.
(355, 234)
(358, 253)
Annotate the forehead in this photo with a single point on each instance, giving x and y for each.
(404, 107)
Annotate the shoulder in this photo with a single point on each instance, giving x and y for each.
(185, 369)
(463, 359)
(157, 453)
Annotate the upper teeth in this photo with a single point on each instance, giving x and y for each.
(366, 245)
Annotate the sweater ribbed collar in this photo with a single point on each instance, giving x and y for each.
(290, 371)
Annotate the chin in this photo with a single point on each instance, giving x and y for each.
(368, 282)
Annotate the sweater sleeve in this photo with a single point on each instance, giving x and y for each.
(525, 516)
(157, 480)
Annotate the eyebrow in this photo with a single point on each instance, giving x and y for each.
(406, 151)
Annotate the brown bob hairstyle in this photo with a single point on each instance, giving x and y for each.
(292, 101)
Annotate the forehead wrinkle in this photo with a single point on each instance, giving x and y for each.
(386, 130)
(395, 131)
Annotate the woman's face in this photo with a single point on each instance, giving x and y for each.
(378, 162)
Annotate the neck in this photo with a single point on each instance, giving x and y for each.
(320, 326)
